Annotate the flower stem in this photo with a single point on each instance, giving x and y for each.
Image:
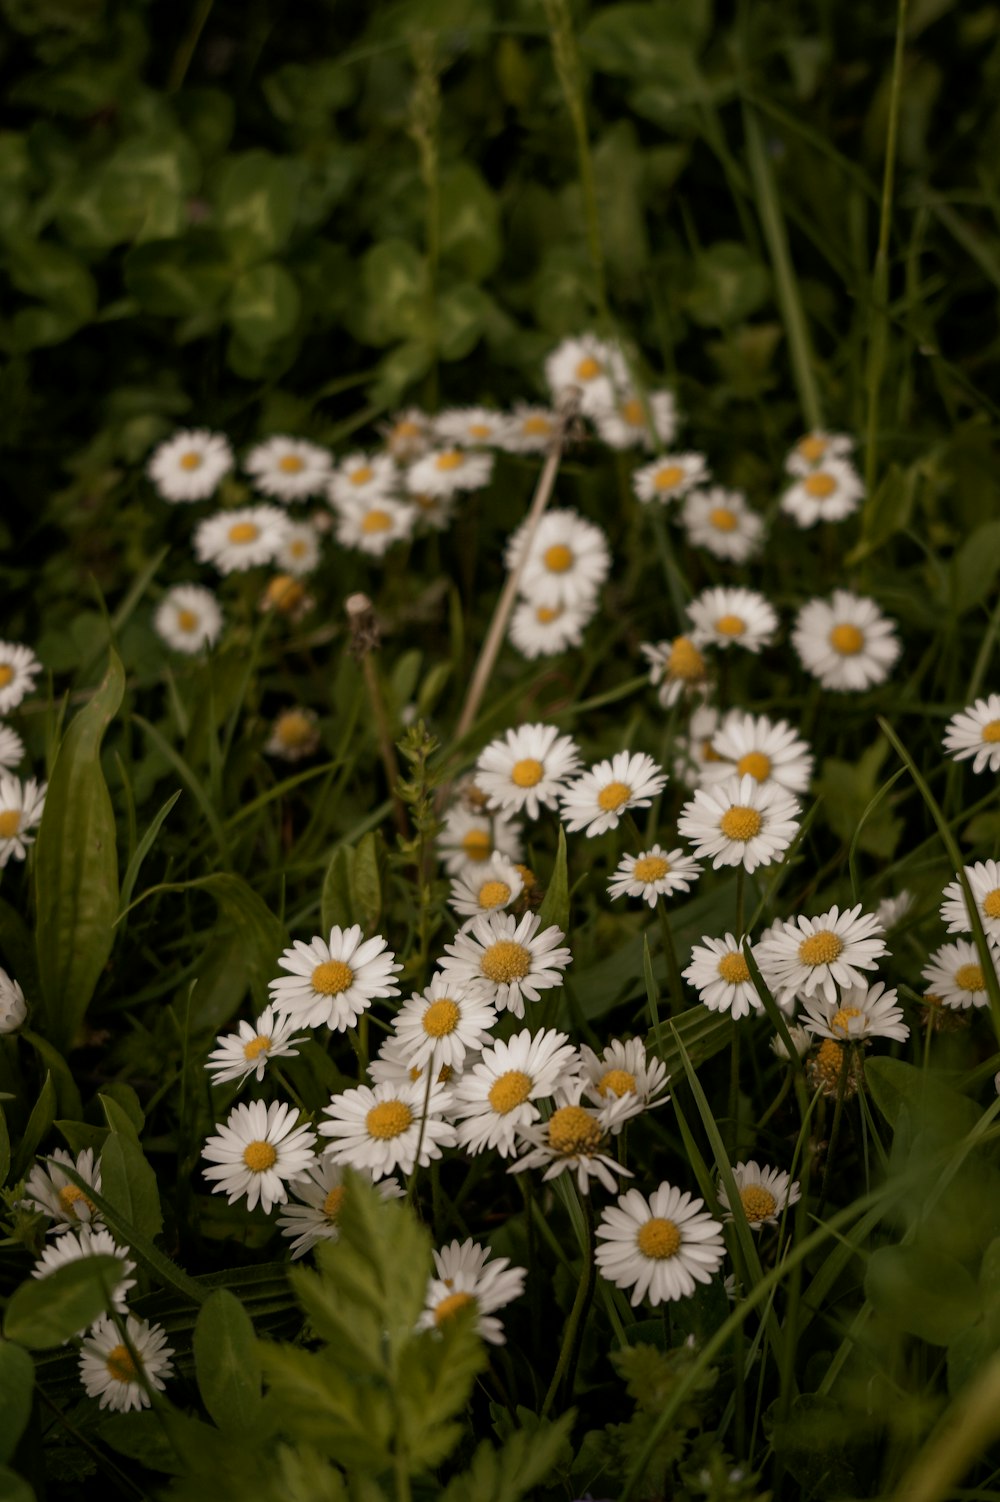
(570, 1350)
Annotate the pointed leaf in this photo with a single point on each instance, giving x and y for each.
(227, 1363)
(45, 1312)
(17, 1380)
(555, 903)
(130, 1184)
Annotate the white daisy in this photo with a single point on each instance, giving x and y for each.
(574, 1138)
(526, 768)
(432, 511)
(19, 667)
(189, 466)
(858, 1013)
(49, 1191)
(188, 618)
(720, 974)
(528, 430)
(408, 435)
(287, 596)
(764, 1193)
(11, 748)
(627, 424)
(311, 1215)
(445, 1299)
(732, 617)
(815, 449)
(238, 1055)
(383, 1128)
(21, 807)
(444, 471)
(469, 427)
(513, 957)
(495, 1095)
(538, 630)
(108, 1367)
(236, 540)
(487, 888)
(752, 746)
(73, 1245)
(471, 840)
(661, 1247)
(670, 477)
(800, 1040)
(974, 732)
(593, 368)
(625, 1077)
(256, 1152)
(294, 734)
(13, 1007)
(653, 873)
(390, 1066)
(826, 493)
(984, 879)
(819, 955)
(373, 526)
(892, 910)
(334, 981)
(721, 522)
(597, 800)
(955, 975)
(362, 478)
(443, 1024)
(299, 550)
(693, 750)
(675, 668)
(847, 643)
(290, 469)
(567, 561)
(740, 822)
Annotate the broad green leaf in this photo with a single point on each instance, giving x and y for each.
(227, 1363)
(729, 285)
(76, 867)
(14, 1488)
(257, 197)
(974, 567)
(923, 1293)
(4, 1148)
(53, 276)
(555, 903)
(141, 1436)
(366, 883)
(336, 900)
(650, 40)
(179, 278)
(121, 1108)
(67, 1092)
(17, 1380)
(325, 1405)
(395, 287)
(462, 314)
(264, 304)
(129, 1184)
(894, 1084)
(43, 1114)
(513, 1472)
(886, 512)
(470, 222)
(44, 1312)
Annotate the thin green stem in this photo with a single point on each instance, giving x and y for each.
(570, 1348)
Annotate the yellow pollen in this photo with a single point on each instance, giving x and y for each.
(505, 961)
(847, 640)
(840, 1022)
(527, 773)
(69, 1197)
(722, 519)
(741, 823)
(589, 369)
(291, 464)
(991, 903)
(758, 1203)
(573, 1130)
(650, 868)
(493, 894)
(509, 1091)
(558, 558)
(991, 731)
(450, 459)
(812, 447)
(734, 969)
(829, 1062)
(425, 502)
(298, 547)
(667, 477)
(685, 661)
(755, 764)
(479, 430)
(527, 876)
(451, 1305)
(6, 674)
(259, 1156)
(821, 949)
(120, 1364)
(187, 620)
(970, 978)
(535, 427)
(244, 532)
(616, 1082)
(632, 412)
(441, 1017)
(478, 844)
(10, 823)
(546, 614)
(730, 625)
(334, 1201)
(709, 753)
(284, 592)
(376, 521)
(820, 486)
(293, 728)
(191, 460)
(361, 475)
(659, 1239)
(406, 429)
(256, 1046)
(613, 796)
(390, 1118)
(332, 978)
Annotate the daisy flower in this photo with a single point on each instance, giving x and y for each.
(528, 430)
(752, 746)
(566, 562)
(625, 1077)
(445, 471)
(513, 957)
(408, 435)
(13, 1007)
(801, 1041)
(469, 427)
(373, 526)
(721, 522)
(236, 540)
(238, 1055)
(860, 1012)
(984, 879)
(596, 801)
(526, 768)
(11, 748)
(72, 1245)
(445, 1299)
(740, 822)
(189, 466)
(298, 552)
(720, 974)
(108, 1368)
(815, 449)
(694, 752)
(486, 888)
(764, 1193)
(286, 595)
(390, 1066)
(955, 975)
(546, 630)
(892, 910)
(311, 1215)
(471, 840)
(675, 668)
(495, 1096)
(592, 367)
(362, 478)
(21, 807)
(334, 981)
(661, 1247)
(293, 734)
(574, 1138)
(49, 1191)
(19, 667)
(382, 1128)
(847, 643)
(188, 618)
(443, 1024)
(256, 1152)
(627, 424)
(670, 477)
(819, 955)
(974, 732)
(653, 873)
(290, 469)
(732, 617)
(826, 493)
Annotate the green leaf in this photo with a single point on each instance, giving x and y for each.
(227, 1363)
(14, 1488)
(885, 513)
(324, 1405)
(44, 1312)
(76, 867)
(129, 1184)
(43, 1114)
(257, 198)
(729, 285)
(17, 1381)
(462, 314)
(53, 276)
(143, 848)
(366, 883)
(436, 1374)
(4, 1147)
(179, 278)
(555, 903)
(264, 305)
(645, 40)
(470, 222)
(511, 1473)
(924, 1293)
(974, 567)
(394, 294)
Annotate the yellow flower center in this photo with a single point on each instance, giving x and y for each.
(709, 753)
(614, 796)
(812, 447)
(406, 428)
(376, 521)
(970, 978)
(573, 1130)
(256, 1046)
(667, 477)
(298, 547)
(191, 460)
(259, 1156)
(120, 1364)
(616, 1082)
(479, 430)
(451, 1304)
(69, 1197)
(477, 844)
(722, 519)
(441, 1017)
(991, 903)
(588, 369)
(755, 764)
(659, 1239)
(362, 474)
(527, 875)
(730, 625)
(991, 731)
(509, 1091)
(284, 593)
(333, 1202)
(828, 1062)
(820, 485)
(650, 868)
(505, 961)
(493, 894)
(558, 558)
(332, 977)
(291, 464)
(10, 823)
(244, 532)
(734, 969)
(633, 413)
(527, 773)
(847, 640)
(821, 949)
(546, 614)
(840, 1022)
(450, 459)
(758, 1203)
(293, 728)
(187, 620)
(741, 823)
(685, 661)
(390, 1118)
(536, 427)
(6, 674)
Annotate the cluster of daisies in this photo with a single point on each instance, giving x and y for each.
(22, 800)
